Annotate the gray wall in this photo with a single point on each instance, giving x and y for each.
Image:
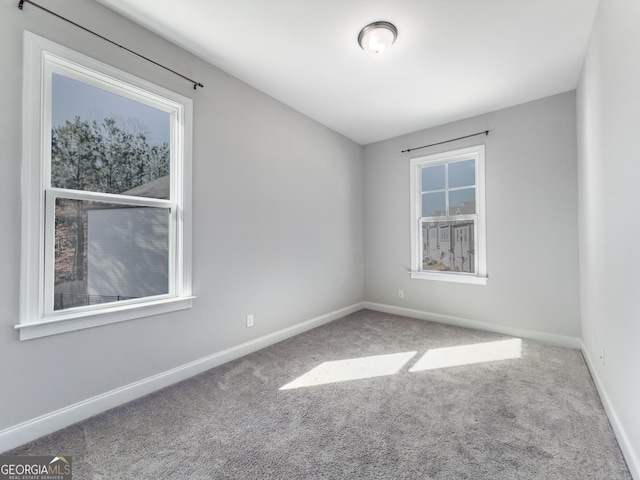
(277, 223)
(531, 207)
(608, 109)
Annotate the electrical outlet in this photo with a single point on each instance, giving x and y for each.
(400, 293)
(249, 321)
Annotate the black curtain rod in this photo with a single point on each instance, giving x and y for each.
(486, 132)
(22, 2)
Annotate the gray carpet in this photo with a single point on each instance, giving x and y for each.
(533, 417)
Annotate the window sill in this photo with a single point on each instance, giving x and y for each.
(88, 319)
(450, 277)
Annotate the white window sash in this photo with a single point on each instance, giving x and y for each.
(51, 195)
(452, 220)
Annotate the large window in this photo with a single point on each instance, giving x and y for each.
(106, 194)
(447, 216)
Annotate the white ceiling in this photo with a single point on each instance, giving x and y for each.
(453, 58)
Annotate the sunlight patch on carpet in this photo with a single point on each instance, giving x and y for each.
(469, 354)
(352, 369)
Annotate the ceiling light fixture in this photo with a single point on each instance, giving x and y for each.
(377, 37)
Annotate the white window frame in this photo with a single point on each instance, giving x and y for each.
(479, 277)
(42, 58)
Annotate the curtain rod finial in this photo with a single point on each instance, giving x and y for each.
(21, 4)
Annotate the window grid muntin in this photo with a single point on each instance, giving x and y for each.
(446, 188)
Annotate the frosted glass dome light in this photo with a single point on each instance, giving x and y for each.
(377, 37)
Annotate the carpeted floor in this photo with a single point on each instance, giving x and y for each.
(532, 416)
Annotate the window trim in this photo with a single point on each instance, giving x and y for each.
(477, 153)
(41, 58)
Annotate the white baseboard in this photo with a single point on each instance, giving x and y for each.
(633, 462)
(22, 433)
(560, 340)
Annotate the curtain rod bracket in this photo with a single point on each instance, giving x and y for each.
(21, 4)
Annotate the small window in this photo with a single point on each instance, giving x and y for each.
(444, 234)
(447, 216)
(106, 170)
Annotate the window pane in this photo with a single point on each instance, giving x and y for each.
(462, 174)
(106, 252)
(433, 204)
(452, 249)
(104, 142)
(462, 202)
(433, 178)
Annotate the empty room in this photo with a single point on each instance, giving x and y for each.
(299, 239)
